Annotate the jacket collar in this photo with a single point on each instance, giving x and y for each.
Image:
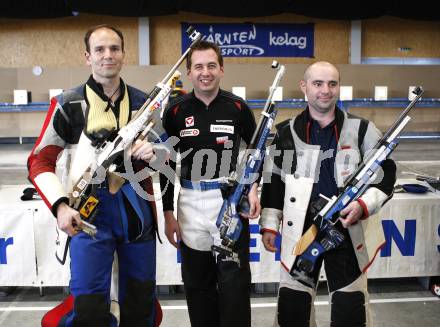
(219, 94)
(99, 90)
(303, 120)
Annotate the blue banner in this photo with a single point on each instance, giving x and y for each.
(257, 40)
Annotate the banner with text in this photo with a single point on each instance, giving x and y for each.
(410, 222)
(412, 231)
(257, 40)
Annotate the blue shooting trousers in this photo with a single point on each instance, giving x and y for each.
(91, 264)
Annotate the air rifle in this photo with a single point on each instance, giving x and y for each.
(237, 187)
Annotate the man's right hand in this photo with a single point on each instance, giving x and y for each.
(172, 228)
(268, 239)
(67, 218)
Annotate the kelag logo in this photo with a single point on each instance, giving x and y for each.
(4, 242)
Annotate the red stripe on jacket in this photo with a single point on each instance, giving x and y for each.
(44, 162)
(47, 120)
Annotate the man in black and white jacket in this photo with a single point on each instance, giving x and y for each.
(320, 149)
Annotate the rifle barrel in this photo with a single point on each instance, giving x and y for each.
(418, 92)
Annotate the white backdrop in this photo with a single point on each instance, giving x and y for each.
(412, 224)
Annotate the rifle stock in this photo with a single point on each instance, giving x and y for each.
(305, 240)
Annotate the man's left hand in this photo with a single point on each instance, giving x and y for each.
(142, 150)
(351, 214)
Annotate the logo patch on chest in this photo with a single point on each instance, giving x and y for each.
(189, 132)
(189, 121)
(222, 129)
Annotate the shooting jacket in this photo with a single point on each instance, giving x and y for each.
(285, 198)
(64, 149)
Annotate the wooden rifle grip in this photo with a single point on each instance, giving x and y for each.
(305, 240)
